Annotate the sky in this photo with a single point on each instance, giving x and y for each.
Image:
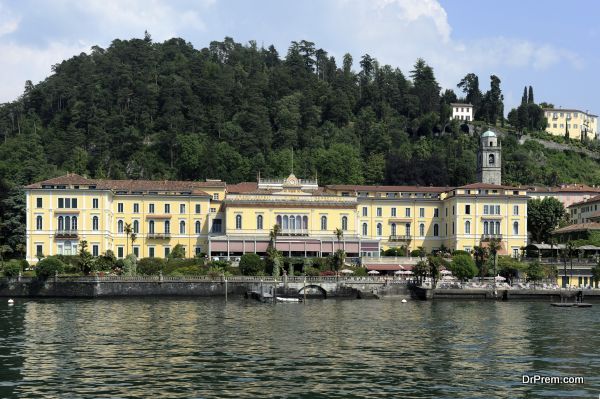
(550, 45)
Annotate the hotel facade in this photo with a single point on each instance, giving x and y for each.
(148, 218)
(579, 124)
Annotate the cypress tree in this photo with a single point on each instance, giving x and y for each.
(524, 98)
(530, 98)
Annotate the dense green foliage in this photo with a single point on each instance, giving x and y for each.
(463, 266)
(48, 267)
(12, 268)
(150, 266)
(543, 216)
(140, 109)
(251, 265)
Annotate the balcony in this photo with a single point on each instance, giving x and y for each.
(293, 232)
(158, 236)
(488, 237)
(66, 234)
(396, 238)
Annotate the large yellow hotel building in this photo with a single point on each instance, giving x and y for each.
(579, 124)
(224, 220)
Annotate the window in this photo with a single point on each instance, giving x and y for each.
(345, 223)
(497, 209)
(61, 223)
(95, 223)
(39, 202)
(151, 252)
(379, 229)
(467, 209)
(136, 208)
(198, 227)
(151, 208)
(197, 208)
(453, 209)
(436, 212)
(575, 126)
(61, 202)
(421, 212)
(120, 251)
(120, 207)
(120, 226)
(95, 203)
(38, 223)
(39, 250)
(198, 251)
(167, 227)
(181, 208)
(74, 203)
(167, 208)
(238, 222)
(407, 229)
(515, 253)
(95, 250)
(151, 227)
(379, 212)
(365, 211)
(467, 227)
(486, 210)
(497, 227)
(554, 125)
(215, 196)
(365, 229)
(407, 212)
(213, 210)
(167, 252)
(393, 229)
(393, 212)
(436, 230)
(136, 227)
(421, 229)
(182, 227)
(216, 226)
(323, 222)
(516, 228)
(136, 251)
(486, 229)
(516, 210)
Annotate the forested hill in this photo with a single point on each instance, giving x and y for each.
(141, 109)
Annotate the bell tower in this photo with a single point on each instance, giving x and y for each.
(489, 161)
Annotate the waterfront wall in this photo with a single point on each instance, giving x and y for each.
(510, 294)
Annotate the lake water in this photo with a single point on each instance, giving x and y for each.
(200, 347)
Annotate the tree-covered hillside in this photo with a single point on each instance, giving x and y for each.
(168, 111)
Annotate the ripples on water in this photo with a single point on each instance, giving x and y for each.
(167, 348)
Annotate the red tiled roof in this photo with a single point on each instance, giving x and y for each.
(578, 227)
(587, 201)
(243, 187)
(421, 189)
(567, 188)
(131, 185)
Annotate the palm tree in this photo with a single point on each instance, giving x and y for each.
(133, 238)
(340, 255)
(480, 254)
(421, 252)
(552, 242)
(273, 235)
(494, 246)
(128, 230)
(339, 233)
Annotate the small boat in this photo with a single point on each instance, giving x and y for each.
(404, 301)
(572, 304)
(283, 299)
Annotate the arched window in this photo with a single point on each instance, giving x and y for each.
(182, 227)
(407, 229)
(238, 222)
(259, 222)
(198, 227)
(136, 227)
(323, 222)
(67, 223)
(120, 226)
(292, 222)
(151, 227)
(393, 229)
(365, 229)
(497, 227)
(516, 228)
(491, 159)
(38, 222)
(379, 229)
(285, 222)
(467, 227)
(305, 222)
(95, 223)
(167, 227)
(421, 229)
(279, 220)
(436, 230)
(344, 223)
(486, 228)
(61, 223)
(74, 223)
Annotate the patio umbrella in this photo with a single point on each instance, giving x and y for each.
(346, 271)
(499, 278)
(373, 272)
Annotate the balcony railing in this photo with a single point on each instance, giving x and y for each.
(66, 234)
(488, 237)
(400, 238)
(159, 236)
(293, 232)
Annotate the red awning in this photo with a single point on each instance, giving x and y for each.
(388, 266)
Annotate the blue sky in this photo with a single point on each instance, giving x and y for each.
(551, 45)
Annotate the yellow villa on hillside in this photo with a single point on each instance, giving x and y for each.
(222, 220)
(577, 123)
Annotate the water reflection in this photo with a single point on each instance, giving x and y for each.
(209, 348)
